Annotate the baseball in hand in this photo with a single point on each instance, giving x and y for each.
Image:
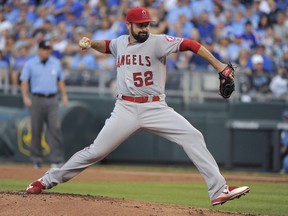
(85, 43)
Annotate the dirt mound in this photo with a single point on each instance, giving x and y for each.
(54, 204)
(46, 204)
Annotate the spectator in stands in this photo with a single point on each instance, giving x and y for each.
(259, 80)
(242, 61)
(199, 62)
(183, 27)
(103, 9)
(159, 15)
(4, 69)
(93, 22)
(284, 60)
(173, 78)
(182, 7)
(280, 29)
(21, 6)
(279, 83)
(282, 4)
(85, 12)
(273, 11)
(71, 21)
(227, 24)
(113, 5)
(220, 31)
(238, 25)
(105, 31)
(9, 49)
(244, 77)
(22, 38)
(264, 6)
(5, 29)
(199, 7)
(62, 8)
(284, 144)
(11, 11)
(84, 60)
(48, 29)
(252, 15)
(22, 55)
(268, 41)
(27, 14)
(263, 25)
(118, 23)
(43, 16)
(37, 36)
(236, 6)
(264, 22)
(277, 50)
(249, 36)
(105, 62)
(59, 42)
(18, 27)
(222, 48)
(233, 49)
(205, 27)
(268, 64)
(286, 16)
(215, 15)
(73, 47)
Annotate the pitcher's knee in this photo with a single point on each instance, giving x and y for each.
(195, 140)
(94, 154)
(197, 137)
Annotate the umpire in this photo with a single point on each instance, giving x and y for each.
(40, 76)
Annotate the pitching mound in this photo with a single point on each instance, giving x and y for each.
(55, 204)
(51, 204)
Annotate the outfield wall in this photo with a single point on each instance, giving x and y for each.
(86, 115)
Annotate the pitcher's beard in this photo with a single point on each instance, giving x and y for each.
(141, 36)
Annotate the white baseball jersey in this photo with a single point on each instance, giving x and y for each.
(141, 71)
(141, 67)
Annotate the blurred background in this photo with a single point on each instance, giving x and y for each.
(243, 132)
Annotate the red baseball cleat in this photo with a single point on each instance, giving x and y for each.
(36, 187)
(230, 193)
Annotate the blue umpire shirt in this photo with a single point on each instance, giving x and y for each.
(43, 77)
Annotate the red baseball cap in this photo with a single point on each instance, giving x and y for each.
(138, 15)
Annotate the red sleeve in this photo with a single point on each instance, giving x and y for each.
(107, 50)
(192, 45)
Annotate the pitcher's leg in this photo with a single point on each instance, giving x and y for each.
(117, 128)
(174, 127)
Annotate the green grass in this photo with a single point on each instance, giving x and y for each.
(264, 198)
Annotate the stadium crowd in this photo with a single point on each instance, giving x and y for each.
(250, 33)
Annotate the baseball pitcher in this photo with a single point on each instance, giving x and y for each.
(140, 105)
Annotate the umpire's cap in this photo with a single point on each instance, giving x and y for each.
(138, 15)
(44, 45)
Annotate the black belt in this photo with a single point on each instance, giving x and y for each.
(44, 95)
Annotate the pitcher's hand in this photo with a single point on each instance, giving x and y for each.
(85, 43)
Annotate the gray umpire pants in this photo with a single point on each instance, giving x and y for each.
(45, 110)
